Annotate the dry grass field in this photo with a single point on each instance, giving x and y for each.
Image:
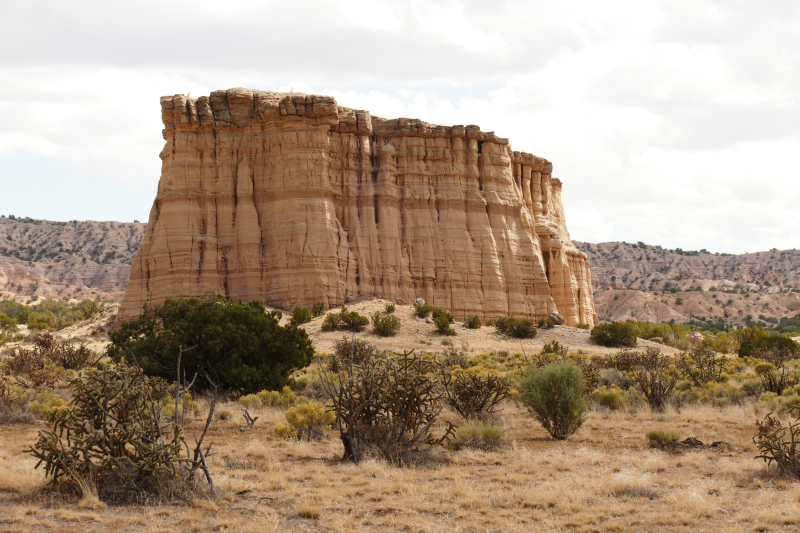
(604, 478)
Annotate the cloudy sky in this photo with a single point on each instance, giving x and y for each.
(672, 122)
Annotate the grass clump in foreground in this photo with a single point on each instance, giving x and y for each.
(661, 438)
(554, 395)
(481, 435)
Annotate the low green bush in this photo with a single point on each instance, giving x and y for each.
(579, 325)
(348, 319)
(661, 438)
(385, 325)
(318, 308)
(301, 315)
(554, 395)
(546, 323)
(423, 311)
(443, 325)
(390, 308)
(522, 329)
(473, 322)
(331, 321)
(614, 334)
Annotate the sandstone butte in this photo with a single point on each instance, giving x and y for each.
(290, 199)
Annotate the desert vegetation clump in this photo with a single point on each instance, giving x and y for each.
(344, 319)
(554, 396)
(778, 444)
(300, 315)
(655, 376)
(614, 334)
(546, 323)
(350, 351)
(473, 322)
(318, 308)
(241, 344)
(386, 406)
(702, 365)
(613, 397)
(48, 362)
(309, 421)
(481, 435)
(423, 310)
(390, 308)
(474, 396)
(269, 398)
(442, 320)
(386, 325)
(662, 438)
(520, 328)
(113, 434)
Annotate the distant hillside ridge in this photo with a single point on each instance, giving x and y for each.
(643, 266)
(59, 259)
(653, 284)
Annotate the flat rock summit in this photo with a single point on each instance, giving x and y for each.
(291, 198)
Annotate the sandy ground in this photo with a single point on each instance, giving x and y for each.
(422, 336)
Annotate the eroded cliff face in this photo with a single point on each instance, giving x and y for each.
(289, 199)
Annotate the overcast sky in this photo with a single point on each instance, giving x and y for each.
(671, 122)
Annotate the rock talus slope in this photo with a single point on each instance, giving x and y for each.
(289, 199)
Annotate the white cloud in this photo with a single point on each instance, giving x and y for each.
(671, 122)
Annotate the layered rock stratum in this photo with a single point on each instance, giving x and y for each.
(290, 199)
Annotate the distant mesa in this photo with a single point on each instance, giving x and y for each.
(291, 198)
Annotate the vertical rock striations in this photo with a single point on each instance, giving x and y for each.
(289, 199)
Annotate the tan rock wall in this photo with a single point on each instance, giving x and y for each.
(290, 199)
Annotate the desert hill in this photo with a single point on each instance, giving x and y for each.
(650, 283)
(57, 259)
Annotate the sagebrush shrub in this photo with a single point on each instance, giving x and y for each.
(310, 419)
(386, 325)
(300, 315)
(554, 395)
(318, 308)
(614, 334)
(390, 308)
